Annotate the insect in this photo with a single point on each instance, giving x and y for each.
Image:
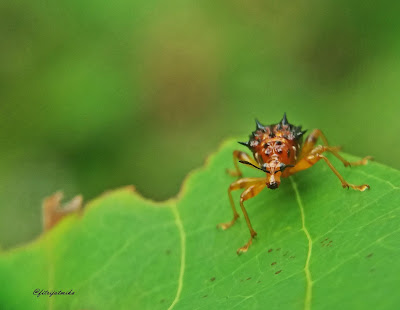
(279, 152)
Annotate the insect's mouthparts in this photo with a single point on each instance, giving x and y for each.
(273, 185)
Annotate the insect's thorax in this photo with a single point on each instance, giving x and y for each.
(276, 144)
(277, 149)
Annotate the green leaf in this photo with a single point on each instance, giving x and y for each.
(318, 247)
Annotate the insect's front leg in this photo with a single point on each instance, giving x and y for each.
(239, 155)
(247, 194)
(239, 184)
(344, 183)
(313, 158)
(309, 147)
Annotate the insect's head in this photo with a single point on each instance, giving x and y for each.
(274, 170)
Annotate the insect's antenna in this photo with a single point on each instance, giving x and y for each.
(250, 164)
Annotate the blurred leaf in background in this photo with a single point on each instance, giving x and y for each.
(96, 95)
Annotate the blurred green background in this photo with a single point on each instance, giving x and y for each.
(97, 94)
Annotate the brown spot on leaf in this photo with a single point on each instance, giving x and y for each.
(279, 271)
(270, 250)
(53, 212)
(205, 296)
(369, 255)
(249, 278)
(212, 279)
(274, 263)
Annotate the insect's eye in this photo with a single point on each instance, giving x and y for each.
(278, 142)
(264, 168)
(283, 167)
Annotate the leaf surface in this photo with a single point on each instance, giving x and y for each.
(318, 247)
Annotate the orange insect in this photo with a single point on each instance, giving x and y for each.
(278, 151)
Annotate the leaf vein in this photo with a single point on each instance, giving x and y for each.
(379, 179)
(182, 235)
(309, 281)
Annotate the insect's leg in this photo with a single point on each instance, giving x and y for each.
(241, 183)
(344, 183)
(247, 194)
(312, 138)
(239, 155)
(310, 160)
(334, 150)
(346, 163)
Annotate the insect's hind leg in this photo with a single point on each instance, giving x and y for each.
(239, 155)
(312, 138)
(239, 184)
